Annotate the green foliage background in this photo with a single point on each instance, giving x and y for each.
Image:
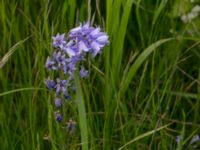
(142, 92)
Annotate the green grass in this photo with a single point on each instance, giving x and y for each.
(142, 92)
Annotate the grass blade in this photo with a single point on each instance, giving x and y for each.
(21, 90)
(138, 62)
(11, 51)
(119, 41)
(82, 114)
(144, 135)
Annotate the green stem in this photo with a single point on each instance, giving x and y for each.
(82, 114)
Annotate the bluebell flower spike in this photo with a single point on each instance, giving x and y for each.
(69, 51)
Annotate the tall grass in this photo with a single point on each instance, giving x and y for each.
(143, 89)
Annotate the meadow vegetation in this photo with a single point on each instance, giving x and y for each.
(142, 92)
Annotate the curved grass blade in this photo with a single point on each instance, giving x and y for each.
(138, 62)
(144, 135)
(21, 90)
(11, 51)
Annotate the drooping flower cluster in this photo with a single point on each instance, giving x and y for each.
(69, 51)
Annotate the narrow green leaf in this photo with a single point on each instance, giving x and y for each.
(184, 94)
(115, 19)
(11, 51)
(50, 126)
(138, 62)
(139, 22)
(159, 10)
(108, 14)
(82, 114)
(21, 90)
(119, 42)
(72, 6)
(144, 135)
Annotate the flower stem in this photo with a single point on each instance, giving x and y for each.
(82, 114)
